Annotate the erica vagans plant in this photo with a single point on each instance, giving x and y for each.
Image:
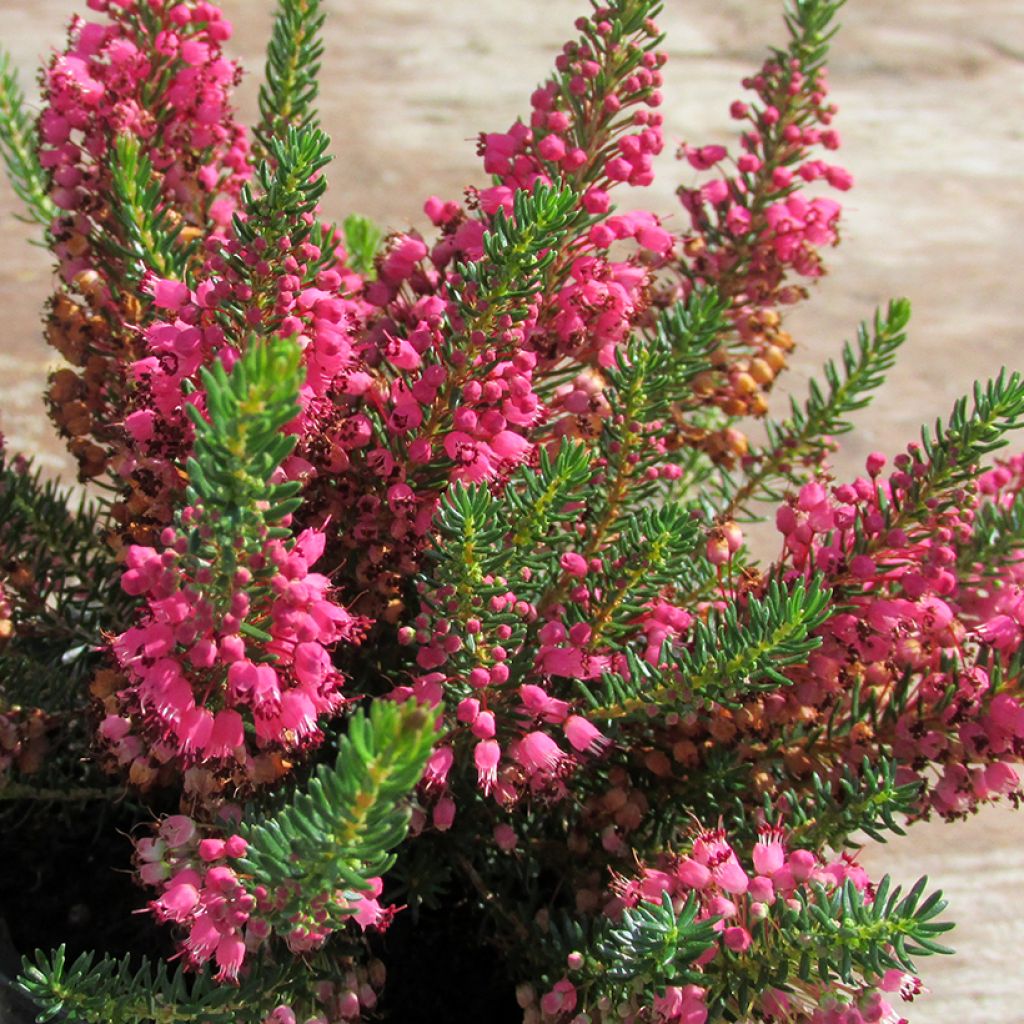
(411, 583)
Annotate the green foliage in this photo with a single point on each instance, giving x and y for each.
(651, 374)
(481, 533)
(954, 451)
(848, 389)
(423, 875)
(733, 653)
(281, 205)
(19, 148)
(828, 936)
(943, 467)
(826, 410)
(288, 93)
(652, 549)
(362, 242)
(536, 502)
(745, 644)
(866, 799)
(518, 249)
(240, 445)
(685, 335)
(289, 186)
(648, 947)
(340, 831)
(627, 17)
(997, 538)
(63, 586)
(147, 237)
(654, 943)
(811, 25)
(483, 536)
(110, 991)
(472, 541)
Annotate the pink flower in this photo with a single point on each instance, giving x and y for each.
(203, 938)
(561, 999)
(681, 1005)
(510, 446)
(711, 849)
(177, 830)
(574, 564)
(538, 753)
(692, 874)
(584, 735)
(230, 954)
(703, 158)
(235, 846)
(769, 850)
(227, 735)
(281, 1015)
(564, 661)
(177, 902)
(439, 764)
(737, 938)
(368, 910)
(194, 729)
(114, 728)
(298, 713)
(472, 458)
(444, 814)
(486, 756)
(169, 295)
(505, 837)
(311, 662)
(1001, 778)
(211, 849)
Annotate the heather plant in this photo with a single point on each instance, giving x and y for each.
(409, 607)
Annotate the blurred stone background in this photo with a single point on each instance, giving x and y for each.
(932, 106)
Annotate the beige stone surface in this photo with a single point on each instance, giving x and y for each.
(932, 98)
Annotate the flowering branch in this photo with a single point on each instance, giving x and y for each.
(483, 480)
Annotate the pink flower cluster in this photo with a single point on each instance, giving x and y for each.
(201, 893)
(159, 77)
(524, 738)
(102, 86)
(340, 1000)
(386, 405)
(390, 407)
(598, 80)
(190, 335)
(579, 133)
(754, 226)
(507, 724)
(740, 903)
(198, 691)
(916, 614)
(227, 915)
